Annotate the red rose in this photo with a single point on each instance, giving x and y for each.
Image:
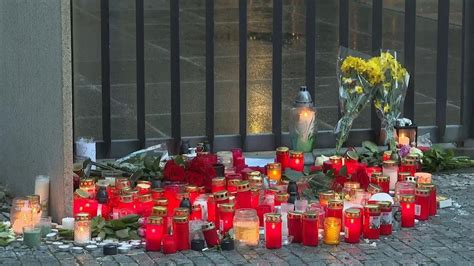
(201, 172)
(361, 176)
(173, 172)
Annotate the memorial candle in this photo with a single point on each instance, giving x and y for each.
(127, 205)
(274, 172)
(383, 181)
(310, 229)
(409, 166)
(218, 184)
(157, 193)
(255, 179)
(154, 233)
(255, 197)
(297, 161)
(374, 189)
(336, 163)
(211, 209)
(386, 155)
(351, 165)
(261, 211)
(281, 197)
(371, 221)
(146, 205)
(88, 185)
(390, 169)
(171, 193)
(232, 185)
(243, 197)
(295, 226)
(193, 192)
(422, 177)
(196, 212)
(67, 223)
(352, 225)
(42, 190)
(422, 204)
(332, 229)
(324, 198)
(386, 217)
(407, 205)
(226, 216)
(273, 236)
(219, 198)
(210, 234)
(246, 227)
(334, 208)
(143, 187)
(20, 214)
(402, 176)
(181, 232)
(169, 244)
(283, 157)
(433, 202)
(162, 211)
(82, 229)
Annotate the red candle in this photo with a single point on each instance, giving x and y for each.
(385, 217)
(236, 152)
(255, 179)
(243, 197)
(273, 235)
(239, 163)
(433, 202)
(387, 155)
(310, 229)
(146, 205)
(422, 204)
(371, 221)
(157, 193)
(210, 234)
(88, 185)
(409, 166)
(297, 161)
(127, 205)
(154, 233)
(274, 172)
(351, 165)
(196, 212)
(122, 183)
(383, 181)
(283, 157)
(219, 198)
(261, 211)
(334, 208)
(281, 197)
(402, 176)
(255, 197)
(171, 192)
(218, 184)
(374, 189)
(295, 226)
(193, 192)
(211, 209)
(169, 244)
(407, 204)
(82, 203)
(182, 212)
(372, 169)
(161, 202)
(352, 225)
(162, 212)
(232, 185)
(144, 187)
(181, 232)
(324, 198)
(336, 163)
(226, 217)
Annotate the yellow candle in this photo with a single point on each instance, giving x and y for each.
(332, 229)
(403, 140)
(274, 171)
(247, 232)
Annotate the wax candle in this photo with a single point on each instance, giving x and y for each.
(196, 212)
(162, 211)
(181, 231)
(255, 179)
(193, 192)
(352, 225)
(171, 193)
(169, 244)
(383, 181)
(226, 216)
(243, 197)
(127, 205)
(239, 163)
(422, 204)
(409, 166)
(246, 227)
(261, 211)
(295, 226)
(232, 185)
(385, 217)
(255, 197)
(31, 236)
(324, 198)
(181, 212)
(332, 229)
(417, 159)
(372, 169)
(336, 163)
(211, 209)
(403, 140)
(310, 229)
(157, 193)
(67, 223)
(154, 233)
(42, 190)
(219, 198)
(351, 165)
(284, 208)
(82, 203)
(297, 161)
(402, 176)
(423, 177)
(390, 169)
(334, 208)
(274, 172)
(433, 202)
(283, 157)
(82, 229)
(407, 204)
(218, 184)
(371, 221)
(281, 197)
(144, 187)
(210, 234)
(273, 237)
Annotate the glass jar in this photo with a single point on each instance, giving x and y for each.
(143, 187)
(281, 197)
(324, 198)
(244, 196)
(383, 181)
(422, 204)
(407, 205)
(157, 193)
(390, 169)
(402, 176)
(422, 177)
(246, 227)
(295, 226)
(210, 234)
(226, 216)
(332, 230)
(31, 236)
(352, 225)
(297, 161)
(373, 188)
(193, 192)
(154, 233)
(335, 209)
(404, 188)
(218, 184)
(35, 205)
(20, 214)
(273, 233)
(386, 217)
(274, 172)
(162, 211)
(362, 197)
(349, 189)
(371, 221)
(283, 157)
(310, 229)
(433, 202)
(82, 229)
(181, 232)
(409, 166)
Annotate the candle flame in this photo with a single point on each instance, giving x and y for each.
(273, 226)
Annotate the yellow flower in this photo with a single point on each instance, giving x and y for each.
(353, 63)
(347, 80)
(359, 89)
(386, 108)
(374, 71)
(378, 104)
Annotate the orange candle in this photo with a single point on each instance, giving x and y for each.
(274, 172)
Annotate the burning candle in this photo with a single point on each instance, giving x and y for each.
(297, 161)
(295, 226)
(409, 166)
(283, 157)
(171, 193)
(310, 229)
(20, 214)
(82, 229)
(422, 177)
(385, 217)
(332, 229)
(246, 227)
(390, 169)
(352, 225)
(433, 202)
(403, 140)
(210, 234)
(273, 236)
(404, 188)
(383, 181)
(42, 190)
(274, 172)
(422, 204)
(181, 232)
(407, 204)
(226, 216)
(371, 221)
(218, 184)
(154, 233)
(281, 197)
(34, 204)
(244, 196)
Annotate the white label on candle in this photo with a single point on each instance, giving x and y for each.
(386, 218)
(374, 222)
(417, 210)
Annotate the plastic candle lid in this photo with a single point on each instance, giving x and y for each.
(110, 249)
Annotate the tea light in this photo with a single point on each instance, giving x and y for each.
(63, 248)
(274, 172)
(124, 249)
(82, 229)
(91, 247)
(297, 161)
(423, 177)
(332, 230)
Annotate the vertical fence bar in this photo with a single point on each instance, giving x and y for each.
(467, 108)
(243, 72)
(442, 66)
(105, 72)
(344, 23)
(277, 39)
(175, 74)
(410, 46)
(140, 51)
(210, 71)
(311, 46)
(377, 24)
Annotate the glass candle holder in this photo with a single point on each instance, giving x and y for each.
(210, 234)
(162, 211)
(218, 184)
(181, 232)
(146, 205)
(273, 236)
(301, 205)
(409, 166)
(261, 211)
(211, 209)
(122, 183)
(422, 177)
(295, 226)
(349, 189)
(246, 227)
(31, 236)
(422, 204)
(154, 233)
(143, 187)
(274, 172)
(332, 230)
(404, 188)
(171, 193)
(82, 229)
(88, 185)
(373, 189)
(226, 216)
(244, 196)
(283, 157)
(281, 197)
(402, 176)
(407, 205)
(84, 204)
(193, 192)
(219, 198)
(255, 179)
(20, 214)
(157, 193)
(386, 217)
(310, 230)
(362, 197)
(127, 205)
(351, 165)
(371, 221)
(169, 244)
(334, 209)
(182, 212)
(324, 198)
(386, 155)
(196, 212)
(433, 202)
(44, 224)
(383, 181)
(390, 169)
(232, 185)
(352, 225)
(36, 209)
(255, 197)
(297, 161)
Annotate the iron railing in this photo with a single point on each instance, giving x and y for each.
(109, 147)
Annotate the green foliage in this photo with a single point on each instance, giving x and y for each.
(370, 154)
(437, 159)
(6, 234)
(317, 181)
(124, 228)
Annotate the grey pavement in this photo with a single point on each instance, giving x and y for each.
(445, 239)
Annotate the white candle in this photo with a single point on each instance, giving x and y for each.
(42, 189)
(68, 223)
(82, 232)
(403, 140)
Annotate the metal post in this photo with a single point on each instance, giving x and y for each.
(467, 110)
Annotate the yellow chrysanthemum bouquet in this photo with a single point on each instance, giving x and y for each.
(389, 97)
(358, 79)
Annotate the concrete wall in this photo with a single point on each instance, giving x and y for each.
(36, 98)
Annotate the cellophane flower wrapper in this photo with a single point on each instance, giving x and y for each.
(389, 98)
(357, 84)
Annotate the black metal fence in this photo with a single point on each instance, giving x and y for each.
(439, 132)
